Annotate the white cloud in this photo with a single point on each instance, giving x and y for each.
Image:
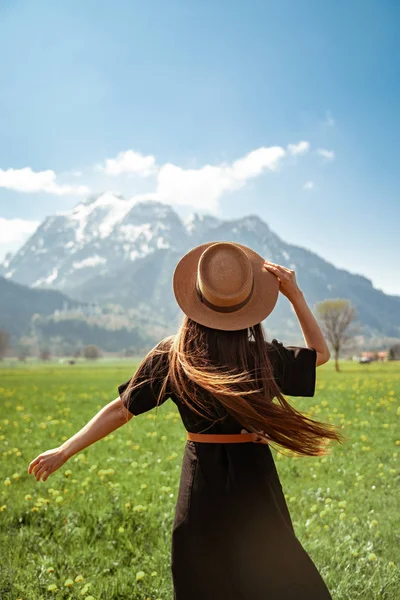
(129, 162)
(300, 148)
(327, 154)
(204, 186)
(16, 230)
(26, 180)
(308, 186)
(201, 187)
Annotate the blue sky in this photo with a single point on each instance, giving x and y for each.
(304, 94)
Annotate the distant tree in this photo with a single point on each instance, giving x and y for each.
(76, 353)
(128, 352)
(394, 352)
(336, 318)
(4, 343)
(45, 354)
(91, 352)
(23, 351)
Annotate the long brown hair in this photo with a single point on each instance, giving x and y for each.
(233, 369)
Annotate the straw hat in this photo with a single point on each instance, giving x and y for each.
(225, 286)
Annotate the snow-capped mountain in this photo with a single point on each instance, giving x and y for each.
(109, 249)
(96, 237)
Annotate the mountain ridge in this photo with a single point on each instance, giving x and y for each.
(109, 249)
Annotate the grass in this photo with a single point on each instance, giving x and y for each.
(100, 527)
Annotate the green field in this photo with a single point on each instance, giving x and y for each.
(100, 527)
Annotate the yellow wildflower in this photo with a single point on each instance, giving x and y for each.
(373, 523)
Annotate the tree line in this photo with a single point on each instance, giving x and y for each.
(25, 350)
(337, 319)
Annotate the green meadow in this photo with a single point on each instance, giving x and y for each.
(100, 527)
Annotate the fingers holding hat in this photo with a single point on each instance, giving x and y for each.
(272, 265)
(286, 277)
(274, 269)
(283, 273)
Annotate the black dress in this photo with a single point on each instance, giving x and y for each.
(232, 537)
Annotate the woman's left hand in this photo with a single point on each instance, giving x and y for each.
(47, 463)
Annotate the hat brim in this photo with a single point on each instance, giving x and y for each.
(260, 305)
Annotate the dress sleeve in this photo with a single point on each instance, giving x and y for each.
(294, 368)
(148, 380)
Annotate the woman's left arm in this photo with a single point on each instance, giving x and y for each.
(108, 419)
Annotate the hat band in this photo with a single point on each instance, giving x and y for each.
(224, 309)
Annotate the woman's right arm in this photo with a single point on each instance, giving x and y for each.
(313, 336)
(312, 333)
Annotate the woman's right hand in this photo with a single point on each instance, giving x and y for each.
(47, 462)
(286, 277)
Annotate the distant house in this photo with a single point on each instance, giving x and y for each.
(369, 355)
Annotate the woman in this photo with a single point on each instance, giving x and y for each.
(232, 536)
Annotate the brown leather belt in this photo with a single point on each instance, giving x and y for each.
(224, 438)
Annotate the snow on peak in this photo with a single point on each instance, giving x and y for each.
(98, 215)
(7, 259)
(193, 221)
(253, 222)
(91, 261)
(106, 210)
(133, 232)
(47, 280)
(146, 207)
